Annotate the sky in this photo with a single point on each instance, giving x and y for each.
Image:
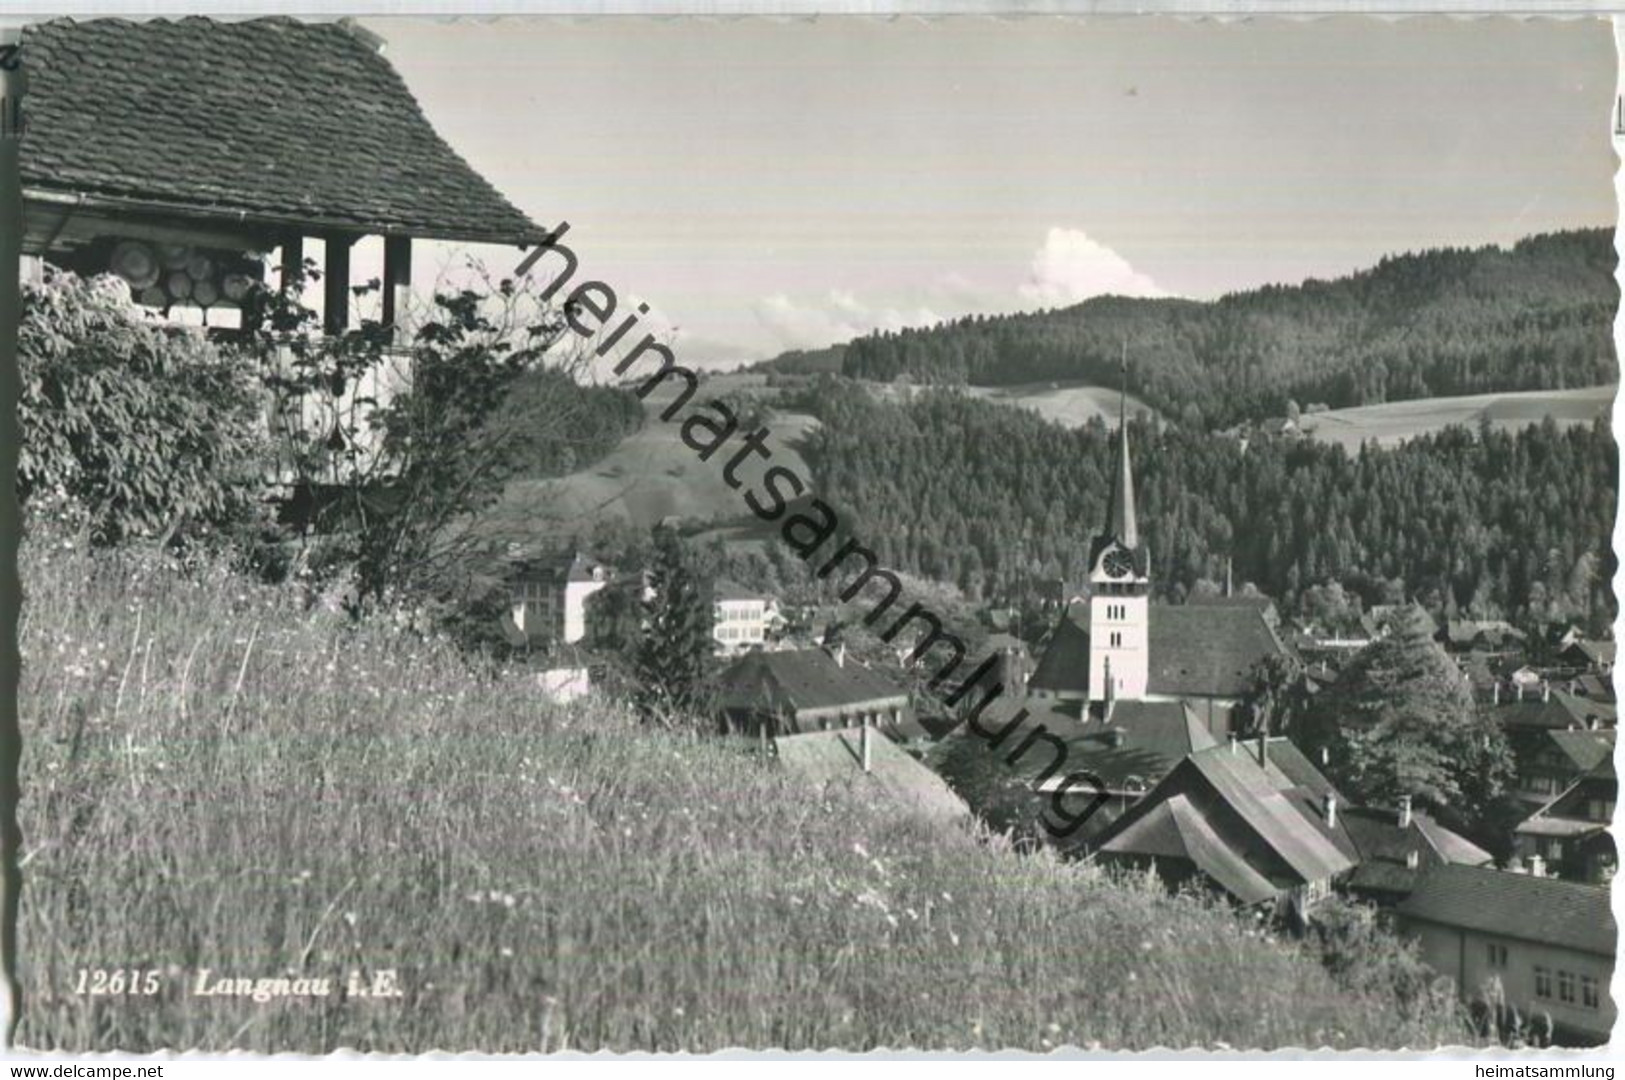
(774, 184)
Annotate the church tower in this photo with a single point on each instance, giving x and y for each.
(1120, 588)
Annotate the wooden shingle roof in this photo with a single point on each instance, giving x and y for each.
(1571, 915)
(270, 122)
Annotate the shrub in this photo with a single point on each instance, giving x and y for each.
(132, 427)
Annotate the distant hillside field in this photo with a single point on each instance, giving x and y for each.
(1072, 405)
(1398, 421)
(652, 474)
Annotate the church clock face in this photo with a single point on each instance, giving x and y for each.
(1117, 563)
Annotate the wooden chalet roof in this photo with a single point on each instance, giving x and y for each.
(1197, 650)
(1174, 829)
(798, 679)
(826, 757)
(274, 122)
(1586, 749)
(1570, 915)
(1130, 751)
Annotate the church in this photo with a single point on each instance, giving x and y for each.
(1118, 646)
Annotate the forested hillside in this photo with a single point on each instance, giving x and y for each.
(995, 499)
(1454, 321)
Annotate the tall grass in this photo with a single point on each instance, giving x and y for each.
(217, 779)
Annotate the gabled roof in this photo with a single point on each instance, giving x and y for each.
(1196, 651)
(1174, 829)
(1598, 652)
(826, 757)
(1130, 751)
(728, 589)
(1383, 847)
(1257, 795)
(271, 122)
(1585, 749)
(797, 679)
(1545, 910)
(1558, 710)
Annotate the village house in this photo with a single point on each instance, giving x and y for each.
(793, 691)
(1483, 635)
(1549, 762)
(1257, 821)
(1122, 647)
(741, 618)
(1590, 656)
(1125, 747)
(1569, 835)
(1540, 945)
(549, 598)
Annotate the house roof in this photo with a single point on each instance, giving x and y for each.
(1586, 749)
(825, 757)
(727, 589)
(797, 679)
(1382, 847)
(1132, 750)
(1202, 650)
(270, 121)
(1174, 829)
(1558, 710)
(1570, 915)
(1598, 652)
(1259, 795)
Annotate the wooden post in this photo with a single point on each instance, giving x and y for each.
(11, 739)
(293, 259)
(336, 285)
(397, 283)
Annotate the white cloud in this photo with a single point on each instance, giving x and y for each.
(1071, 268)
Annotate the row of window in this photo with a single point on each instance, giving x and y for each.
(1566, 985)
(1117, 612)
(729, 614)
(739, 633)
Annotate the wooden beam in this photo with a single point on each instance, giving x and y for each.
(397, 282)
(293, 259)
(336, 285)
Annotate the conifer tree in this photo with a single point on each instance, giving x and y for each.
(675, 647)
(1400, 721)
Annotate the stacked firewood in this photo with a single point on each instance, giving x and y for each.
(166, 275)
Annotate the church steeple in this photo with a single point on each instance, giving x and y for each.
(1120, 586)
(1122, 524)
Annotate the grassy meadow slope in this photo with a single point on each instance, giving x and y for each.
(215, 778)
(1069, 404)
(1397, 421)
(652, 474)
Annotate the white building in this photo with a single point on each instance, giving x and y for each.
(550, 601)
(741, 618)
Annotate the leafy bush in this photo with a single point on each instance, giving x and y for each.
(132, 428)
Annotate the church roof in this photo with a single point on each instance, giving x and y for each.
(1196, 651)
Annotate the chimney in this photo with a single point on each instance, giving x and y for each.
(865, 751)
(1545, 690)
(1234, 742)
(1413, 859)
(1537, 866)
(1497, 691)
(1404, 811)
(840, 655)
(1331, 811)
(1520, 691)
(1325, 755)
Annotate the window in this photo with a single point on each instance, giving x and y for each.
(1600, 809)
(1117, 639)
(1565, 986)
(1588, 991)
(1498, 955)
(1543, 982)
